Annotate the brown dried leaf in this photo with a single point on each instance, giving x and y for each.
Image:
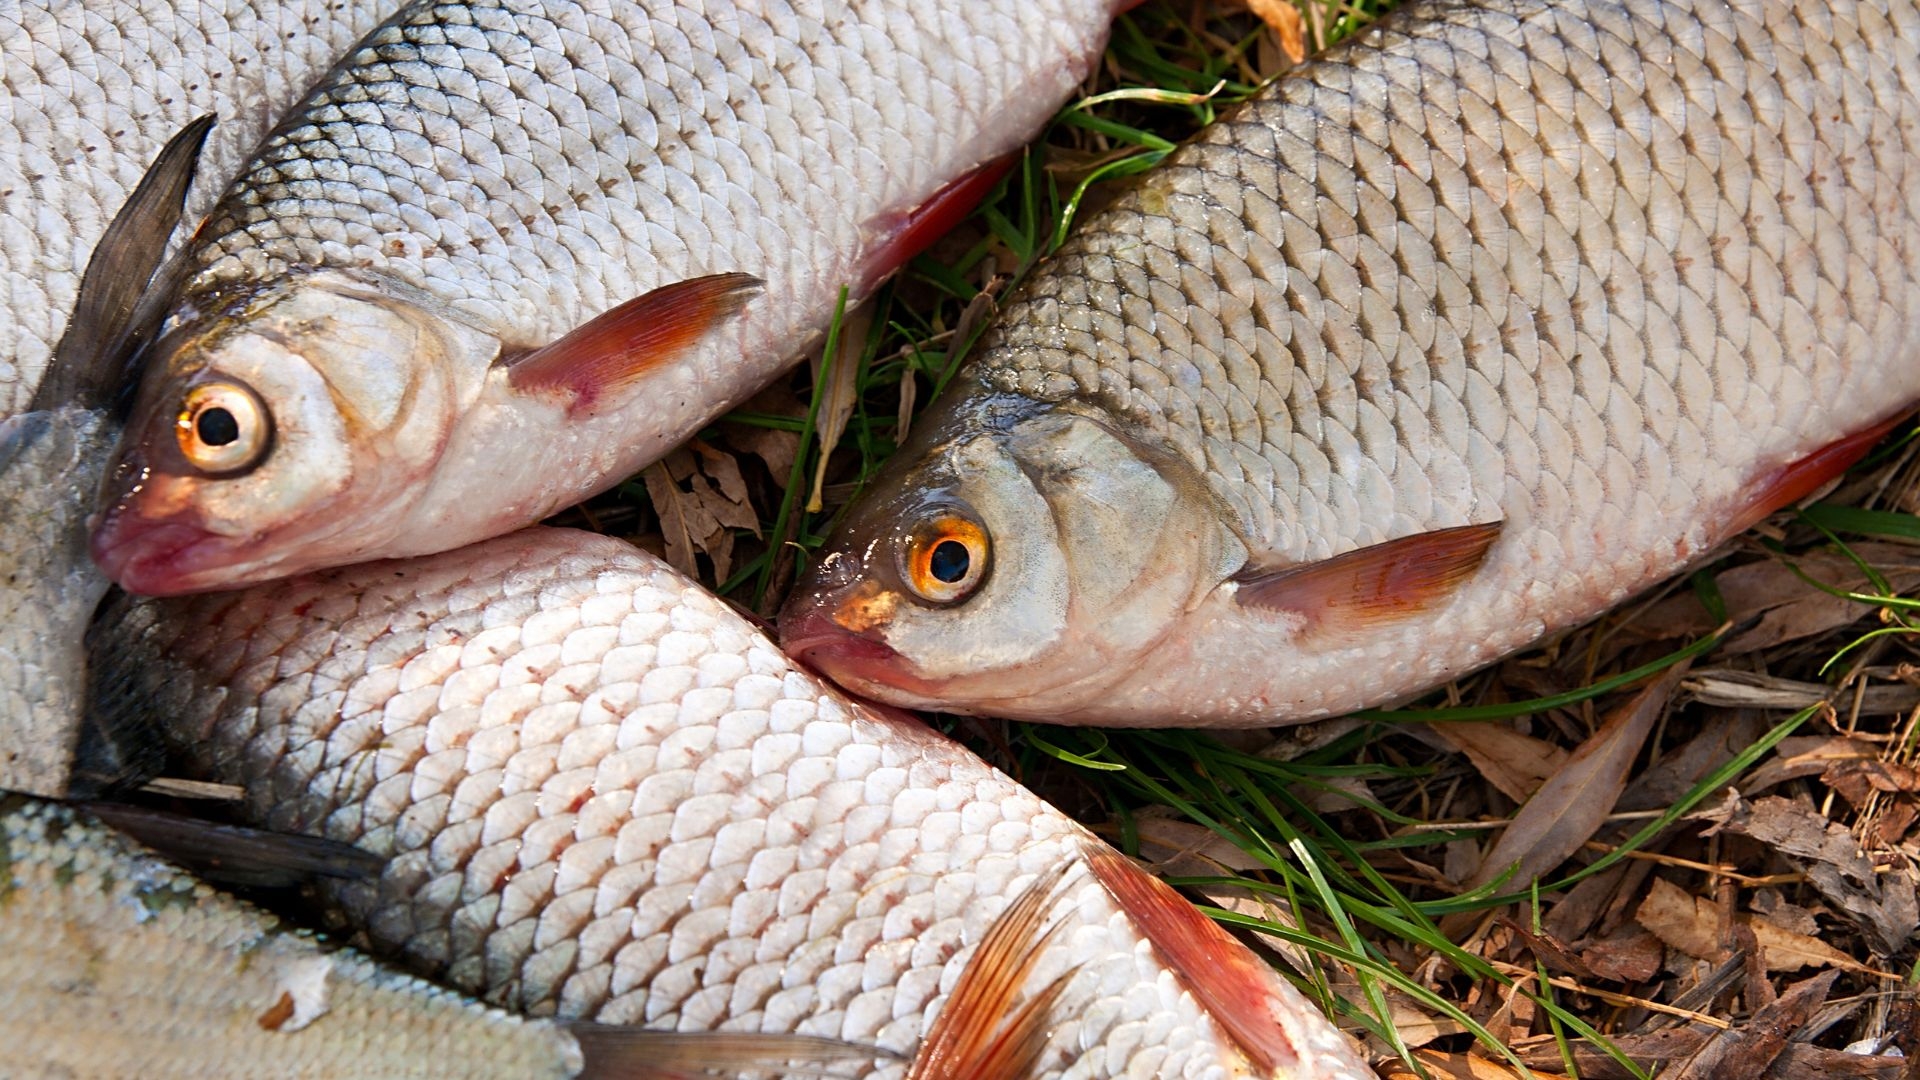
(1473, 1067)
(1806, 757)
(1884, 906)
(1745, 1051)
(1570, 806)
(1792, 608)
(1798, 1061)
(1629, 955)
(1284, 20)
(1516, 764)
(700, 498)
(837, 397)
(1856, 781)
(1751, 690)
(1691, 924)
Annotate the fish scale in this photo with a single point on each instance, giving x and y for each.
(495, 155)
(479, 182)
(89, 92)
(1599, 270)
(604, 794)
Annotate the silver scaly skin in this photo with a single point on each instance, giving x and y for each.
(88, 94)
(479, 180)
(1595, 276)
(604, 794)
(115, 964)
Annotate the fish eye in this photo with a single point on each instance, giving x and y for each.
(945, 557)
(222, 428)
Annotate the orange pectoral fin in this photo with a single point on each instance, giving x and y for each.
(626, 342)
(902, 236)
(1796, 480)
(1228, 981)
(979, 1032)
(1375, 584)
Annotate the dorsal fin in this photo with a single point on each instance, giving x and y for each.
(1374, 585)
(639, 1054)
(125, 290)
(980, 1034)
(236, 855)
(625, 342)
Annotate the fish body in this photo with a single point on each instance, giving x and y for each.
(115, 964)
(512, 251)
(602, 793)
(1457, 335)
(93, 91)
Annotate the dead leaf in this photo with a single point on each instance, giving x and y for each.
(1809, 756)
(1792, 608)
(1745, 1051)
(1516, 764)
(1798, 1061)
(1472, 1067)
(1629, 955)
(1691, 924)
(1284, 20)
(1751, 690)
(1554, 954)
(1884, 906)
(700, 498)
(837, 397)
(1569, 807)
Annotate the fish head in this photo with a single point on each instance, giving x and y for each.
(261, 434)
(1012, 572)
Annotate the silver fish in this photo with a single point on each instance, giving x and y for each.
(602, 793)
(93, 90)
(113, 964)
(52, 457)
(1454, 337)
(513, 250)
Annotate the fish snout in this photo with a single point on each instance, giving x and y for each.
(152, 558)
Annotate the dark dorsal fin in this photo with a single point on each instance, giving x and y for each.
(125, 289)
(639, 1054)
(234, 855)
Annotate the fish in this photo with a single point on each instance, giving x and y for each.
(94, 91)
(510, 252)
(52, 458)
(601, 793)
(1456, 336)
(113, 963)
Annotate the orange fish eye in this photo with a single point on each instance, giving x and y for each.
(946, 558)
(222, 427)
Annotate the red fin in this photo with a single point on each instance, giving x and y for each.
(902, 236)
(1374, 584)
(1796, 480)
(1228, 981)
(671, 1055)
(979, 1033)
(632, 339)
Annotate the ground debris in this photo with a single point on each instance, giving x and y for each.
(1882, 905)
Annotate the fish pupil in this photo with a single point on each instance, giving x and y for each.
(217, 427)
(949, 561)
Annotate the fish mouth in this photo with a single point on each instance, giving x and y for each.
(160, 558)
(857, 662)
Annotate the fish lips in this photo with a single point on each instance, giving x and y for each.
(158, 558)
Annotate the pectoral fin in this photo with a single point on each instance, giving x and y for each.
(980, 1032)
(1373, 585)
(628, 341)
(1234, 987)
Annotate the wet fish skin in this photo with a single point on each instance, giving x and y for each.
(1553, 295)
(93, 91)
(602, 793)
(483, 178)
(115, 964)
